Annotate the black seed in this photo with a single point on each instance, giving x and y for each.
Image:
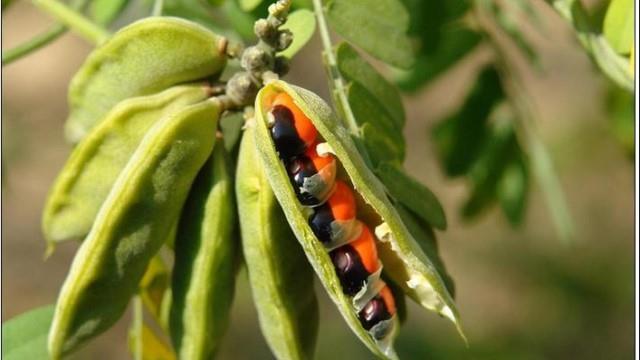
(320, 222)
(284, 134)
(349, 268)
(300, 168)
(374, 312)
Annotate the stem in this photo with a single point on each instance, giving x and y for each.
(74, 20)
(157, 8)
(40, 40)
(527, 134)
(136, 327)
(336, 80)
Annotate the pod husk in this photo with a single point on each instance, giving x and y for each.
(403, 260)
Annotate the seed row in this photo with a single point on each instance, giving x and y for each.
(351, 245)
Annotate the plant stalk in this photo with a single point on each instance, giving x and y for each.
(74, 20)
(336, 81)
(527, 134)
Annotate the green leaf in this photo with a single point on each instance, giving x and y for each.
(302, 23)
(379, 148)
(25, 336)
(455, 43)
(500, 152)
(512, 191)
(378, 27)
(426, 238)
(367, 110)
(442, 38)
(411, 193)
(220, 2)
(618, 25)
(248, 5)
(620, 105)
(241, 21)
(231, 125)
(460, 137)
(354, 68)
(105, 11)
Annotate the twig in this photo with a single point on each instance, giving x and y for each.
(157, 8)
(528, 135)
(74, 20)
(336, 81)
(38, 41)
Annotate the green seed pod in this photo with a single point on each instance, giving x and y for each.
(402, 259)
(205, 261)
(145, 57)
(280, 277)
(132, 225)
(94, 165)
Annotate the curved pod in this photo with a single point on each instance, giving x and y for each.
(132, 225)
(280, 277)
(145, 57)
(206, 259)
(95, 163)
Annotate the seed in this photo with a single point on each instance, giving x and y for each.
(339, 210)
(380, 308)
(312, 176)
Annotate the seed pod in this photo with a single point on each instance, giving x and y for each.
(94, 165)
(132, 225)
(145, 57)
(403, 260)
(205, 261)
(280, 276)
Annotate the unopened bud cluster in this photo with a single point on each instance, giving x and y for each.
(260, 62)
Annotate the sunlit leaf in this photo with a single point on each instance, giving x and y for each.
(153, 347)
(378, 27)
(153, 287)
(413, 194)
(302, 23)
(618, 25)
(25, 336)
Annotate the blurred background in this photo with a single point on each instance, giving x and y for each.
(521, 292)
